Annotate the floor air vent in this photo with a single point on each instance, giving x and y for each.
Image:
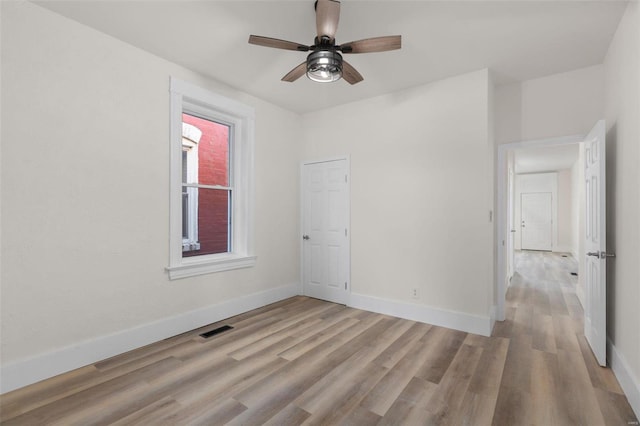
(216, 331)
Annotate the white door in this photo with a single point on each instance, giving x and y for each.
(595, 314)
(325, 230)
(536, 224)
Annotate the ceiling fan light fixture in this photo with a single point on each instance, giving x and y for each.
(324, 66)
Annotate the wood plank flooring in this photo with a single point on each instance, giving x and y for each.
(306, 361)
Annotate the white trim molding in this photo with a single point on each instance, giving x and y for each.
(27, 371)
(226, 262)
(475, 324)
(628, 381)
(188, 98)
(492, 318)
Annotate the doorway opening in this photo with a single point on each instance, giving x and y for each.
(540, 174)
(588, 244)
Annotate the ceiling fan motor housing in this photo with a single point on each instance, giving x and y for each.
(324, 66)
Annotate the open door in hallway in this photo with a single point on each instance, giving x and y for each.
(595, 314)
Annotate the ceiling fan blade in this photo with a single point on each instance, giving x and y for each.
(376, 44)
(327, 17)
(296, 73)
(350, 74)
(277, 43)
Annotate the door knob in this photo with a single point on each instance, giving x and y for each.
(305, 237)
(601, 255)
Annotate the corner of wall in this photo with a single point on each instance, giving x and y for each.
(468, 323)
(628, 381)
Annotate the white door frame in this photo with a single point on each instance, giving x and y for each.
(502, 206)
(347, 160)
(510, 264)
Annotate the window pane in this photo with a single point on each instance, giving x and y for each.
(213, 212)
(211, 167)
(185, 165)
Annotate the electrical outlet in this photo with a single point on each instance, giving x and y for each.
(414, 293)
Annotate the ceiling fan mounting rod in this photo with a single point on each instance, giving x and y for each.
(326, 44)
(323, 42)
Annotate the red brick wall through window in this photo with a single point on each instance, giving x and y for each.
(213, 169)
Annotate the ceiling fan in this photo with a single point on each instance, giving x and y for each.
(325, 64)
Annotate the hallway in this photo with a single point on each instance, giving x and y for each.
(550, 375)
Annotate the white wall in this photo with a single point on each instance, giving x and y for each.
(85, 191)
(577, 103)
(622, 114)
(508, 113)
(563, 104)
(421, 192)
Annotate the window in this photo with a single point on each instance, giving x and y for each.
(211, 209)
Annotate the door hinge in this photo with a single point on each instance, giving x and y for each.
(345, 178)
(345, 232)
(345, 285)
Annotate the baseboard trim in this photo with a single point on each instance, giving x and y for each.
(451, 319)
(580, 295)
(34, 369)
(628, 381)
(492, 318)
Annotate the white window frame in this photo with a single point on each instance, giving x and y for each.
(191, 242)
(186, 97)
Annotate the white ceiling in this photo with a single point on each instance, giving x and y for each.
(519, 40)
(546, 159)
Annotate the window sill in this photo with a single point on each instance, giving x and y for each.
(191, 267)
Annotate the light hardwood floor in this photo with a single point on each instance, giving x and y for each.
(307, 361)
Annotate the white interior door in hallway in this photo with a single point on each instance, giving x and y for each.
(536, 221)
(325, 218)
